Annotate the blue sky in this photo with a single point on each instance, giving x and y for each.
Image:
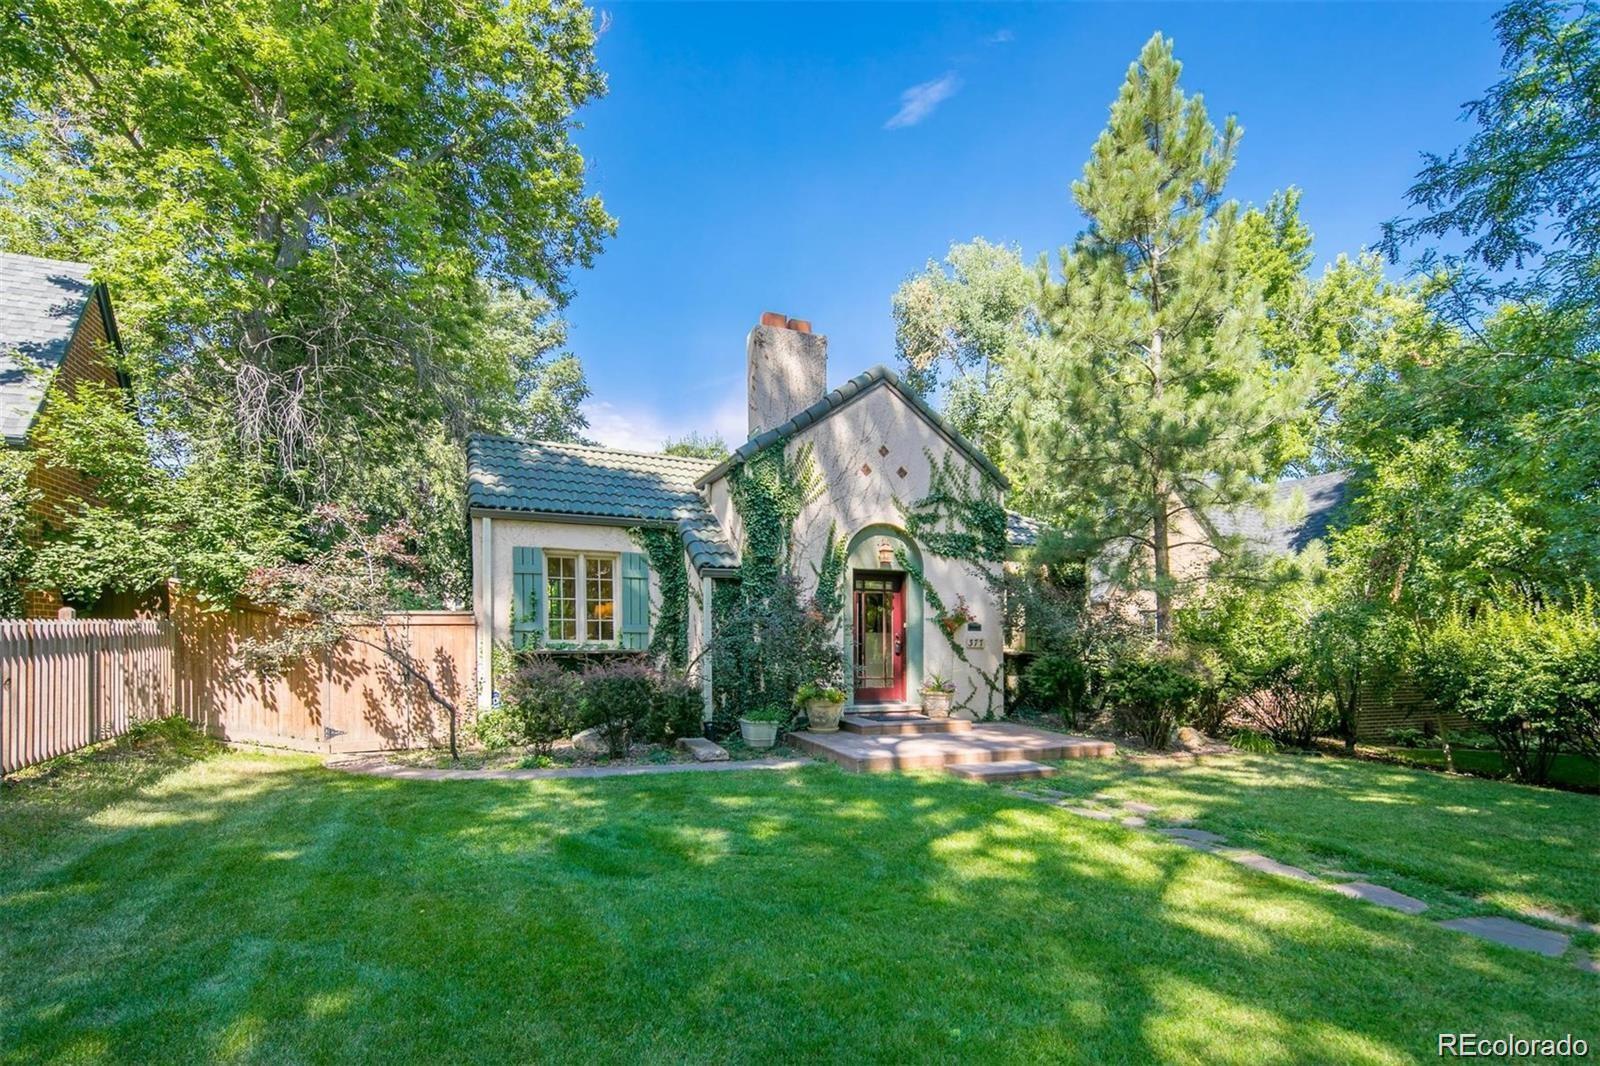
(805, 159)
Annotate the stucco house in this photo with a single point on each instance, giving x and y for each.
(57, 331)
(558, 556)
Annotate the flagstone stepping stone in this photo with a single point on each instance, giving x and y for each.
(703, 750)
(1383, 897)
(1586, 962)
(1139, 808)
(1090, 812)
(1512, 934)
(1133, 821)
(1194, 838)
(1256, 861)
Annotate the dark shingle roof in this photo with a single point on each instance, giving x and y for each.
(1022, 531)
(583, 482)
(845, 394)
(1265, 530)
(41, 302)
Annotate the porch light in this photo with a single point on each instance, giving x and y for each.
(885, 553)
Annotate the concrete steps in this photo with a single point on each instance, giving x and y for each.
(931, 749)
(991, 772)
(901, 724)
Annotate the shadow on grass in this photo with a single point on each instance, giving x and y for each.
(262, 908)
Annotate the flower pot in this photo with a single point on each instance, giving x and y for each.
(936, 704)
(822, 716)
(758, 734)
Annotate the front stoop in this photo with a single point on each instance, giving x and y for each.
(990, 772)
(903, 725)
(979, 742)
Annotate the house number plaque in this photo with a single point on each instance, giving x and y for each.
(975, 643)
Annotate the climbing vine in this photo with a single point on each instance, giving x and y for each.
(767, 641)
(670, 640)
(829, 596)
(958, 521)
(770, 489)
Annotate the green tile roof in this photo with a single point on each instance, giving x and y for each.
(850, 391)
(585, 483)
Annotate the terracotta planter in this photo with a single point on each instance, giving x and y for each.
(822, 716)
(936, 704)
(758, 734)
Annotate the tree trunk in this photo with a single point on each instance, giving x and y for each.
(1163, 571)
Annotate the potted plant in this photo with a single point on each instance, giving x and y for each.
(936, 695)
(824, 706)
(759, 727)
(957, 616)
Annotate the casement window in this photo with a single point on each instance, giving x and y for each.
(579, 597)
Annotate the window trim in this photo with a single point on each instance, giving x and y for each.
(580, 582)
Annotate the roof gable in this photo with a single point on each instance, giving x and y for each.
(1269, 530)
(837, 400)
(41, 303)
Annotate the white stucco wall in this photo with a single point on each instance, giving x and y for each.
(492, 585)
(843, 444)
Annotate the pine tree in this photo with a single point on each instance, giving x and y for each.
(1152, 399)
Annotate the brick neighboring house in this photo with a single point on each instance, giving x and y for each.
(57, 331)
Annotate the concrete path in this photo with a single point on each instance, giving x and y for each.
(1505, 931)
(423, 773)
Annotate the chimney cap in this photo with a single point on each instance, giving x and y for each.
(799, 325)
(775, 319)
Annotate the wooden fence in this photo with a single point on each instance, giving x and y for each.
(64, 685)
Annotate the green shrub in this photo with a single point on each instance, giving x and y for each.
(1059, 682)
(1252, 741)
(1150, 692)
(494, 729)
(1406, 737)
(539, 700)
(677, 711)
(1527, 673)
(617, 699)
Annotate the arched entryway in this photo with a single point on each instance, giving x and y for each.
(882, 617)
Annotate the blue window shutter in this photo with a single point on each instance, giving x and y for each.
(527, 605)
(635, 601)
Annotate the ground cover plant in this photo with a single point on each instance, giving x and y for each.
(256, 907)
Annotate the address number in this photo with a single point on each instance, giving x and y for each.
(975, 643)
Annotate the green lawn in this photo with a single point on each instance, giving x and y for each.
(1467, 846)
(1573, 771)
(253, 907)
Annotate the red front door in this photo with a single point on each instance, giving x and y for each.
(880, 637)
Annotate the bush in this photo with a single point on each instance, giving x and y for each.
(617, 699)
(538, 705)
(1251, 741)
(1150, 693)
(1289, 708)
(1527, 673)
(1406, 737)
(1056, 681)
(677, 710)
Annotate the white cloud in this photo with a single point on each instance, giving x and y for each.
(918, 102)
(1000, 37)
(644, 427)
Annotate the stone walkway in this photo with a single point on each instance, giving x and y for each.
(1506, 931)
(383, 768)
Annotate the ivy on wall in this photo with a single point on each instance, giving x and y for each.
(966, 523)
(767, 641)
(829, 596)
(669, 640)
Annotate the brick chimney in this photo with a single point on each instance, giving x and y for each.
(788, 369)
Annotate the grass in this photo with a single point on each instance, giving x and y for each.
(1465, 845)
(1570, 771)
(261, 908)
